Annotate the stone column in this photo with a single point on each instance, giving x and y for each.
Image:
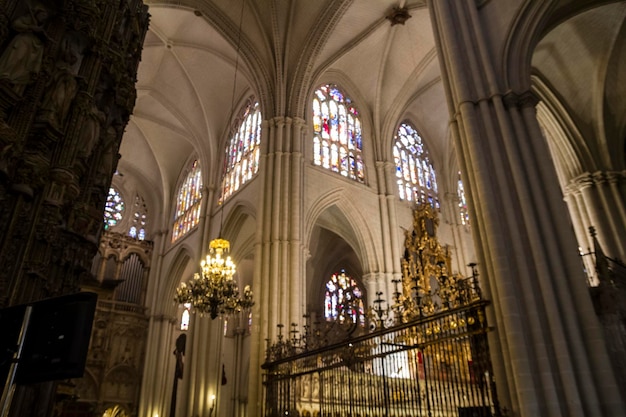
(203, 369)
(158, 372)
(598, 200)
(549, 353)
(280, 272)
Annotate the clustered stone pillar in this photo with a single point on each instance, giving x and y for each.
(67, 89)
(281, 250)
(597, 200)
(550, 356)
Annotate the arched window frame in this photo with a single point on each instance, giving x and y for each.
(337, 133)
(241, 159)
(137, 229)
(185, 318)
(336, 291)
(415, 174)
(114, 208)
(188, 202)
(463, 211)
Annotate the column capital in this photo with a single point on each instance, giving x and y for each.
(520, 100)
(576, 185)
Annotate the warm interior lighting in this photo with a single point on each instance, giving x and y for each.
(214, 291)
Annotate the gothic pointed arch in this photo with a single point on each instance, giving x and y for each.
(534, 21)
(304, 74)
(335, 211)
(243, 151)
(240, 228)
(188, 202)
(572, 155)
(415, 175)
(337, 133)
(181, 268)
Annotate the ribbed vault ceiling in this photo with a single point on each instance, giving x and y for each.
(185, 79)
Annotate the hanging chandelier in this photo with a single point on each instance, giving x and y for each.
(213, 291)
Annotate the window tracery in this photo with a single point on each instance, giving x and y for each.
(343, 300)
(188, 202)
(415, 174)
(241, 161)
(113, 209)
(337, 134)
(137, 229)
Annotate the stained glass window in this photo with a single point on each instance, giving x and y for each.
(138, 223)
(188, 203)
(184, 320)
(415, 174)
(337, 136)
(343, 300)
(464, 213)
(113, 209)
(241, 161)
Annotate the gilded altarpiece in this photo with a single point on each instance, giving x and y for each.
(425, 353)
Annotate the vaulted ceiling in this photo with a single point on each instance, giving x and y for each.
(187, 92)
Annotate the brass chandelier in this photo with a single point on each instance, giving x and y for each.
(213, 291)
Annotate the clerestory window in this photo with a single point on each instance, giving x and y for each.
(337, 134)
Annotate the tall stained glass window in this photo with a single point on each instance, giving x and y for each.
(113, 209)
(140, 217)
(463, 212)
(337, 136)
(343, 299)
(242, 154)
(188, 201)
(415, 174)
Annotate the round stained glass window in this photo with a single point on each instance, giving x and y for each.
(113, 208)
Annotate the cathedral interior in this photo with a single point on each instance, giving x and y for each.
(381, 173)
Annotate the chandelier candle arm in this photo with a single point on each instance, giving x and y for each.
(213, 291)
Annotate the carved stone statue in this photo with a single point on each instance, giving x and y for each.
(22, 58)
(61, 91)
(306, 386)
(109, 157)
(90, 131)
(316, 387)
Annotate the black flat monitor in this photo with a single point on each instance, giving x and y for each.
(57, 338)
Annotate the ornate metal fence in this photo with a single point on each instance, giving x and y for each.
(437, 366)
(424, 355)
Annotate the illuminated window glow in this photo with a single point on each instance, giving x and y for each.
(415, 174)
(241, 162)
(463, 212)
(113, 209)
(188, 203)
(343, 299)
(184, 321)
(337, 136)
(138, 226)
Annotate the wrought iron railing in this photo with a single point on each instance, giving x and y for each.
(435, 366)
(423, 354)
